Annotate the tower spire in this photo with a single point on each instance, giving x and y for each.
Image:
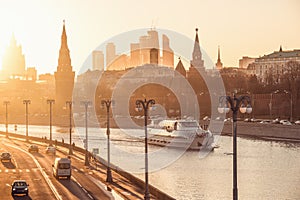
(197, 38)
(197, 61)
(219, 59)
(64, 60)
(280, 49)
(219, 64)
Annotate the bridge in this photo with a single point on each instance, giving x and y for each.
(87, 182)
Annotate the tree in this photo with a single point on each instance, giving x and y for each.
(291, 80)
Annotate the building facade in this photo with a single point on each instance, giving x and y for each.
(274, 64)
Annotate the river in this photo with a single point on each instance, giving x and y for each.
(266, 169)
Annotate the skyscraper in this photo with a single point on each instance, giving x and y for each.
(168, 54)
(64, 76)
(98, 60)
(148, 42)
(13, 63)
(110, 53)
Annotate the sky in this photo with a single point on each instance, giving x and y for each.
(241, 28)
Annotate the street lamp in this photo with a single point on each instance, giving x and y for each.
(271, 102)
(242, 103)
(6, 116)
(50, 102)
(86, 105)
(145, 105)
(26, 102)
(107, 104)
(69, 103)
(291, 101)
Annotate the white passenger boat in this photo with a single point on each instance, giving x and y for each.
(182, 133)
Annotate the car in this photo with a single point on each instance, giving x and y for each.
(228, 119)
(255, 120)
(51, 150)
(247, 120)
(265, 121)
(5, 156)
(297, 122)
(286, 122)
(33, 148)
(19, 187)
(276, 121)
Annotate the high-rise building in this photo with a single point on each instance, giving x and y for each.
(168, 54)
(219, 64)
(110, 53)
(148, 42)
(13, 62)
(98, 60)
(64, 75)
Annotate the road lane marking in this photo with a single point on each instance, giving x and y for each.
(50, 184)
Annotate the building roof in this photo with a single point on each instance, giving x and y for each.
(282, 54)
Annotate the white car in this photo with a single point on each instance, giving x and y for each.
(285, 122)
(265, 121)
(297, 122)
(51, 150)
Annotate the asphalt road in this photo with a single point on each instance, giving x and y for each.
(36, 169)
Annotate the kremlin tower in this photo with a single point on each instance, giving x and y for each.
(64, 76)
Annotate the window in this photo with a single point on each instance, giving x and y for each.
(64, 166)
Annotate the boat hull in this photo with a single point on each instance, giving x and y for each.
(196, 143)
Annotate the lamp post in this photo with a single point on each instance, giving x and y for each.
(235, 103)
(145, 105)
(69, 103)
(271, 103)
(26, 102)
(291, 102)
(50, 102)
(107, 104)
(6, 116)
(86, 105)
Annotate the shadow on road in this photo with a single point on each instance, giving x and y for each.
(22, 198)
(37, 154)
(8, 165)
(71, 186)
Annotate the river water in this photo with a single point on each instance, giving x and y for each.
(266, 169)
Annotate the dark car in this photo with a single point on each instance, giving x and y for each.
(5, 156)
(19, 187)
(33, 148)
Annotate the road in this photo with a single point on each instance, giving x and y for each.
(36, 169)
